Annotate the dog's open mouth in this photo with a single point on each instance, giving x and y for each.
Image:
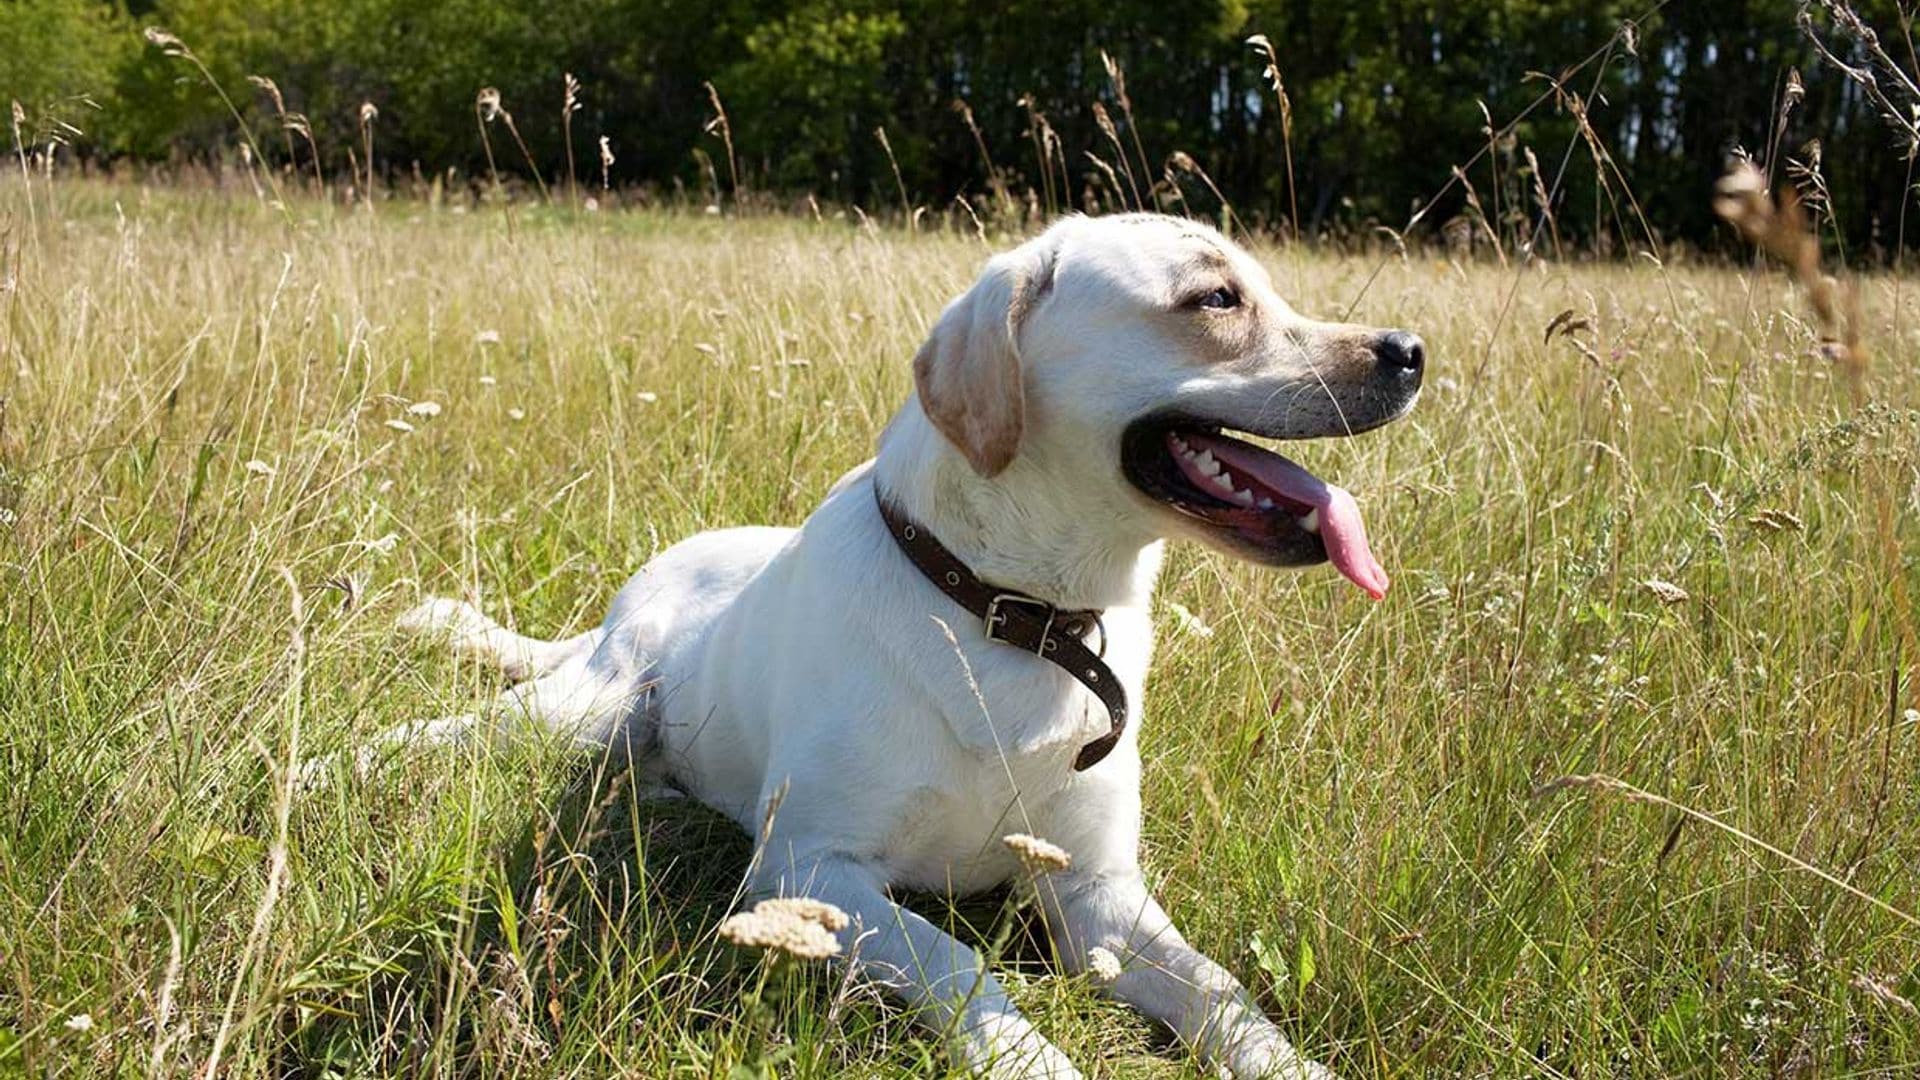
(1250, 499)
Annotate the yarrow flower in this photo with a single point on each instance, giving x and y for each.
(1037, 855)
(1103, 965)
(806, 907)
(798, 926)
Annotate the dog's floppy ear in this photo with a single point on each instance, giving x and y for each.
(968, 374)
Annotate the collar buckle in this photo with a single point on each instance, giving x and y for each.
(999, 608)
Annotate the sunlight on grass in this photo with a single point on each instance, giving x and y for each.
(1342, 797)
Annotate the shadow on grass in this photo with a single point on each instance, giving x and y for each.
(593, 935)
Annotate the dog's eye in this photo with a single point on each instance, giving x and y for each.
(1221, 299)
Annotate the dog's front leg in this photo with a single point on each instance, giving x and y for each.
(943, 980)
(1166, 978)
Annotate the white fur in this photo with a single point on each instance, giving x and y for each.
(809, 674)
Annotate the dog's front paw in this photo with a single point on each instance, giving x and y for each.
(1007, 1047)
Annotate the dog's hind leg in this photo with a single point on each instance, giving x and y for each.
(471, 633)
(573, 702)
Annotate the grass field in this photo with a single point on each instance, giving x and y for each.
(222, 474)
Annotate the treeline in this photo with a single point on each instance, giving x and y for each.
(1607, 112)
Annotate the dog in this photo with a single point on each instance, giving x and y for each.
(951, 647)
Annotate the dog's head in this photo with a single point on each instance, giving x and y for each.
(1115, 353)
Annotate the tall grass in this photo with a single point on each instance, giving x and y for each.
(1660, 544)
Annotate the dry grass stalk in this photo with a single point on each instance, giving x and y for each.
(606, 163)
(20, 151)
(1479, 214)
(1780, 229)
(1117, 76)
(994, 180)
(1616, 786)
(1543, 201)
(718, 124)
(1790, 97)
(289, 782)
(172, 46)
(1882, 990)
(1112, 133)
(570, 104)
(1264, 46)
(906, 204)
(1112, 179)
(298, 124)
(1184, 162)
(486, 107)
(272, 90)
(979, 227)
(500, 112)
(368, 114)
(1880, 65)
(1493, 165)
(1041, 134)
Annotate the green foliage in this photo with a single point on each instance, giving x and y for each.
(1386, 95)
(811, 89)
(55, 52)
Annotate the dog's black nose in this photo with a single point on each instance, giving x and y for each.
(1400, 353)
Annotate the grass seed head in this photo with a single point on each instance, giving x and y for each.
(1666, 591)
(1037, 855)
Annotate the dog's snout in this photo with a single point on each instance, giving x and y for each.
(1400, 353)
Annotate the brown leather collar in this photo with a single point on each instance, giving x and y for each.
(1022, 621)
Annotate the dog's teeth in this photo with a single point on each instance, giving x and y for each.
(1311, 522)
(1266, 504)
(1244, 498)
(1188, 454)
(1206, 463)
(1222, 481)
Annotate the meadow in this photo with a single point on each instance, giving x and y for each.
(1659, 544)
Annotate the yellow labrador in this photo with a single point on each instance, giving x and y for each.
(951, 648)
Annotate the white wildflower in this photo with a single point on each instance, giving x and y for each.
(780, 929)
(806, 907)
(647, 396)
(487, 337)
(1103, 965)
(1186, 620)
(488, 380)
(516, 414)
(80, 1022)
(259, 468)
(400, 425)
(424, 408)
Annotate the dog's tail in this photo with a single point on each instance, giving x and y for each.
(469, 632)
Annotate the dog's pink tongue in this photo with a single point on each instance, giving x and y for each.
(1341, 529)
(1346, 538)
